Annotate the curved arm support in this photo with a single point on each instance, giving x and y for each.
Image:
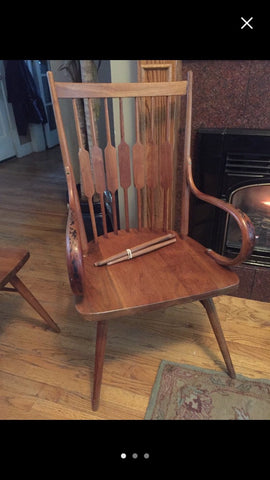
(243, 221)
(74, 254)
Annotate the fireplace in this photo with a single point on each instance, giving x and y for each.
(254, 200)
(233, 164)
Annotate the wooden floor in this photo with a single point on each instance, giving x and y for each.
(44, 375)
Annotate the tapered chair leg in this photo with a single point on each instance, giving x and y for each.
(27, 295)
(101, 340)
(214, 320)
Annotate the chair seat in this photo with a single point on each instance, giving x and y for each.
(178, 273)
(11, 261)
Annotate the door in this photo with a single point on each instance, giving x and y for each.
(39, 70)
(7, 148)
(11, 144)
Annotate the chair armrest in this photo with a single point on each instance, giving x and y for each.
(74, 254)
(243, 221)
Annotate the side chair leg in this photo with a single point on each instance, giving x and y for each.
(101, 339)
(27, 295)
(214, 320)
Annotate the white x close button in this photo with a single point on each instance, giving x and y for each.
(246, 23)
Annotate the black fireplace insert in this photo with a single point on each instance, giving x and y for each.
(234, 165)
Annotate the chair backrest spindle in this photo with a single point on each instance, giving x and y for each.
(98, 167)
(151, 160)
(111, 166)
(86, 174)
(138, 164)
(151, 165)
(124, 163)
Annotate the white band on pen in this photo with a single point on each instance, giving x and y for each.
(129, 253)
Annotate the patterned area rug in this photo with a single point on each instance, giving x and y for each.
(183, 392)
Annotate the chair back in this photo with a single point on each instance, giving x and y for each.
(146, 164)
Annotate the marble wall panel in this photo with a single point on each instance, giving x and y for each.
(226, 94)
(229, 94)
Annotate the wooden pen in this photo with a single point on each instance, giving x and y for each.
(133, 250)
(143, 251)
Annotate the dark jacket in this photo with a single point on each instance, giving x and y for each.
(22, 93)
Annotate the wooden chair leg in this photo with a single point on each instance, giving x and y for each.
(27, 295)
(101, 339)
(214, 320)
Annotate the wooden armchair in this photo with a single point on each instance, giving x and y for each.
(148, 277)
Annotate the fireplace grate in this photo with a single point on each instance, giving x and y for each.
(247, 165)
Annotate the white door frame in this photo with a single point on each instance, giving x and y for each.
(7, 148)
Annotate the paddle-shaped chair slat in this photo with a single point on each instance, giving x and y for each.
(111, 167)
(98, 167)
(138, 165)
(86, 174)
(124, 163)
(151, 165)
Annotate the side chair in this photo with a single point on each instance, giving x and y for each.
(11, 261)
(132, 270)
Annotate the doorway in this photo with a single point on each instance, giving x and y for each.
(39, 137)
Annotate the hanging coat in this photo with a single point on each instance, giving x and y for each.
(23, 95)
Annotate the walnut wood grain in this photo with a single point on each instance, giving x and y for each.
(179, 273)
(101, 339)
(29, 297)
(124, 164)
(151, 167)
(98, 166)
(74, 254)
(185, 193)
(116, 90)
(86, 174)
(11, 262)
(142, 251)
(138, 153)
(111, 167)
(243, 221)
(72, 190)
(47, 377)
(183, 271)
(215, 323)
(136, 248)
